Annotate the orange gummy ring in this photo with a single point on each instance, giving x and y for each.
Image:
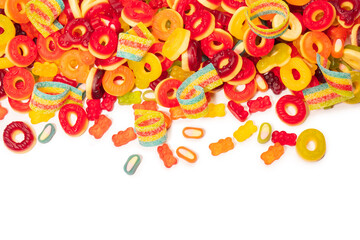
(312, 39)
(110, 78)
(165, 22)
(15, 10)
(72, 67)
(298, 2)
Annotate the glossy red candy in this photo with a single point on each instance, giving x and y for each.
(191, 59)
(108, 102)
(76, 34)
(240, 96)
(284, 138)
(231, 68)
(237, 110)
(2, 91)
(93, 109)
(63, 79)
(259, 105)
(24, 145)
(103, 42)
(290, 100)
(81, 123)
(200, 25)
(48, 48)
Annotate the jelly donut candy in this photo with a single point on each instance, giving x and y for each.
(132, 47)
(254, 49)
(72, 66)
(200, 25)
(238, 24)
(103, 42)
(264, 133)
(298, 2)
(48, 48)
(192, 57)
(21, 106)
(21, 51)
(137, 11)
(321, 8)
(212, 4)
(287, 76)
(8, 32)
(302, 145)
(76, 34)
(47, 133)
(338, 35)
(146, 70)
(231, 6)
(94, 87)
(217, 41)
(165, 22)
(347, 11)
(81, 124)
(355, 35)
(243, 95)
(15, 10)
(165, 92)
(186, 154)
(110, 63)
(221, 146)
(261, 8)
(246, 74)
(279, 56)
(12, 130)
(295, 28)
(112, 87)
(18, 83)
(322, 42)
(176, 44)
(232, 66)
(132, 164)
(282, 108)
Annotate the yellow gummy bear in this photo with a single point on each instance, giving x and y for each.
(45, 69)
(38, 116)
(216, 110)
(245, 131)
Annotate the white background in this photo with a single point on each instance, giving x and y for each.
(75, 188)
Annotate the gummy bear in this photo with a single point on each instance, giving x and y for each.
(45, 69)
(284, 138)
(221, 146)
(237, 110)
(260, 104)
(245, 131)
(108, 102)
(146, 105)
(3, 112)
(272, 154)
(274, 82)
(93, 109)
(124, 137)
(166, 155)
(101, 125)
(38, 117)
(130, 98)
(216, 110)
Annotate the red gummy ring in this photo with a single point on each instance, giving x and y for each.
(12, 130)
(137, 11)
(48, 48)
(21, 51)
(110, 63)
(246, 74)
(217, 41)
(77, 34)
(254, 49)
(191, 59)
(18, 83)
(19, 106)
(165, 92)
(290, 100)
(187, 8)
(240, 96)
(347, 11)
(231, 68)
(103, 42)
(316, 8)
(200, 25)
(94, 88)
(81, 123)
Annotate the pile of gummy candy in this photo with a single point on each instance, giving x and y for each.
(81, 57)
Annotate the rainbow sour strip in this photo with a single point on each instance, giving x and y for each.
(191, 93)
(338, 88)
(265, 7)
(48, 97)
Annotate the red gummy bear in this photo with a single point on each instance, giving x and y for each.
(108, 102)
(260, 104)
(284, 138)
(93, 109)
(237, 110)
(166, 155)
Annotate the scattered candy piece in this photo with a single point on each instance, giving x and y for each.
(132, 164)
(166, 155)
(245, 131)
(47, 133)
(216, 110)
(284, 138)
(186, 154)
(273, 153)
(264, 133)
(124, 137)
(3, 112)
(303, 148)
(221, 146)
(101, 125)
(193, 132)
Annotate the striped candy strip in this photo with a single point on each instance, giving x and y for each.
(265, 7)
(43, 13)
(338, 88)
(191, 93)
(48, 97)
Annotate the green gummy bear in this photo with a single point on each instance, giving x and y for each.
(130, 98)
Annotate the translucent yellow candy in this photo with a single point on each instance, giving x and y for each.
(245, 131)
(176, 44)
(278, 57)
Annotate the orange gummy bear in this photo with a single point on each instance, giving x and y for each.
(124, 137)
(166, 155)
(176, 113)
(221, 146)
(3, 112)
(101, 125)
(273, 153)
(146, 105)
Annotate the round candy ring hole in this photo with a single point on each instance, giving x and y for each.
(197, 23)
(168, 24)
(223, 62)
(118, 80)
(51, 45)
(217, 45)
(79, 31)
(104, 40)
(74, 64)
(291, 109)
(18, 136)
(147, 67)
(190, 9)
(72, 118)
(19, 83)
(259, 41)
(311, 145)
(159, 56)
(21, 7)
(317, 15)
(23, 50)
(240, 88)
(315, 47)
(348, 6)
(171, 93)
(295, 74)
(1, 30)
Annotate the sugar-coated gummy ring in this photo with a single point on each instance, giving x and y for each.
(306, 137)
(165, 92)
(254, 49)
(15, 10)
(201, 25)
(132, 164)
(19, 106)
(103, 42)
(10, 132)
(233, 64)
(18, 83)
(217, 41)
(109, 81)
(291, 100)
(240, 96)
(94, 88)
(322, 42)
(48, 47)
(81, 123)
(165, 22)
(287, 77)
(313, 10)
(21, 51)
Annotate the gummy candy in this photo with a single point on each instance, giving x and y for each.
(124, 137)
(81, 124)
(260, 104)
(3, 112)
(47, 133)
(193, 132)
(307, 136)
(101, 125)
(12, 130)
(186, 154)
(216, 110)
(245, 131)
(284, 138)
(130, 98)
(273, 153)
(176, 113)
(221, 146)
(237, 110)
(166, 155)
(264, 133)
(45, 69)
(132, 164)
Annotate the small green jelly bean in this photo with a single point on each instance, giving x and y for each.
(264, 133)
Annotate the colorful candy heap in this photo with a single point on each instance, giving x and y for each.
(60, 56)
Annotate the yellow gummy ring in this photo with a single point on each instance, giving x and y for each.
(287, 76)
(307, 136)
